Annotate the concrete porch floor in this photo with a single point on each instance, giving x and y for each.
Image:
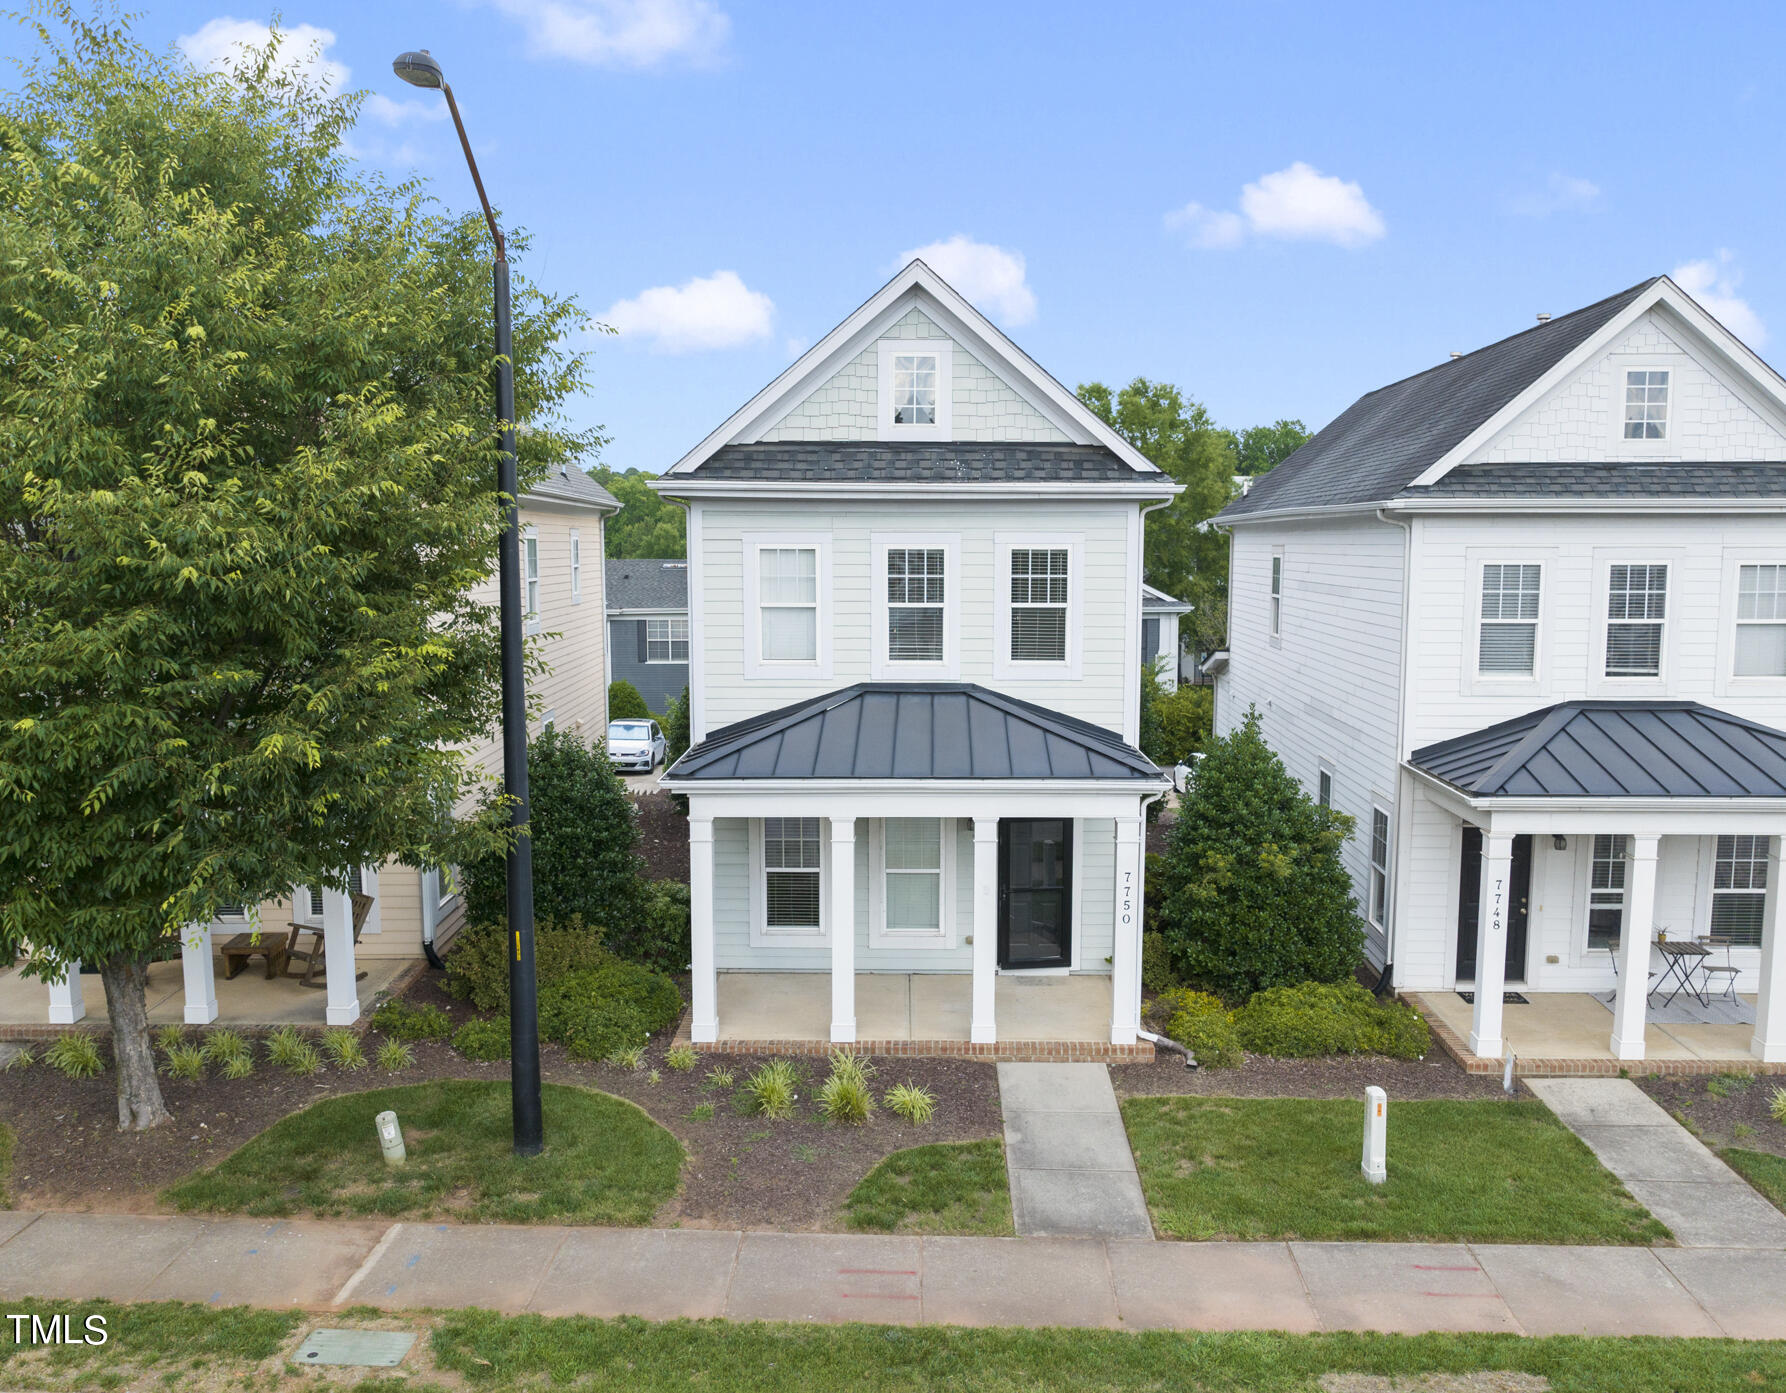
(926, 1011)
(247, 1000)
(1571, 1033)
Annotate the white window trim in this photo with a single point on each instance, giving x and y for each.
(945, 389)
(879, 936)
(1663, 444)
(1388, 867)
(1604, 561)
(1728, 681)
(440, 887)
(300, 903)
(761, 935)
(1003, 668)
(1274, 597)
(530, 576)
(1585, 954)
(949, 543)
(754, 665)
(1325, 767)
(1743, 956)
(672, 620)
(1476, 682)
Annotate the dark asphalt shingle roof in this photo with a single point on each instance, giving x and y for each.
(895, 730)
(573, 486)
(1386, 439)
(1615, 749)
(1152, 599)
(641, 583)
(910, 461)
(1624, 480)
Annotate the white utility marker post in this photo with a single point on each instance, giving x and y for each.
(1507, 1070)
(1376, 1122)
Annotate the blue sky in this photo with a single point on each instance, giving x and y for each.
(1275, 206)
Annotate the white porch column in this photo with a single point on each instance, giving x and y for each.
(200, 974)
(982, 1030)
(66, 1003)
(843, 930)
(1629, 1009)
(704, 986)
(1491, 945)
(338, 963)
(1769, 1041)
(1125, 955)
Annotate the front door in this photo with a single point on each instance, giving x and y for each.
(1469, 906)
(1035, 889)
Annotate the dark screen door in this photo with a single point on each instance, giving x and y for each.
(1469, 906)
(1035, 892)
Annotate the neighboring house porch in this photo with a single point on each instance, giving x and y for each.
(1578, 849)
(984, 854)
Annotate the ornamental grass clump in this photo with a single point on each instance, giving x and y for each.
(76, 1055)
(682, 1058)
(169, 1037)
(292, 1052)
(773, 1089)
(186, 1061)
(344, 1048)
(845, 1095)
(394, 1056)
(223, 1044)
(22, 1058)
(1776, 1106)
(913, 1102)
(627, 1057)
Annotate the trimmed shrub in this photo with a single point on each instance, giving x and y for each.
(1321, 1018)
(1185, 717)
(1255, 893)
(585, 833)
(1157, 973)
(601, 1011)
(1200, 1023)
(676, 728)
(625, 702)
(478, 966)
(660, 937)
(486, 1038)
(400, 1020)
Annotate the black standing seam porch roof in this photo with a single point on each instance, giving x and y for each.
(902, 730)
(1614, 749)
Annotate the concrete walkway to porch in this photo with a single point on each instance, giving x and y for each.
(1667, 1170)
(1072, 1173)
(666, 1274)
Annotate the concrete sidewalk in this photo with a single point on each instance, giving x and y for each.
(1120, 1283)
(1072, 1173)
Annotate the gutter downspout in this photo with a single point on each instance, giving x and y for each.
(1401, 738)
(1159, 1042)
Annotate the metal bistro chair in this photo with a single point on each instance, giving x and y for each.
(1649, 986)
(314, 956)
(1727, 970)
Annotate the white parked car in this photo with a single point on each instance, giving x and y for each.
(635, 746)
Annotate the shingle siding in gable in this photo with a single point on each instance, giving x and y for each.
(984, 407)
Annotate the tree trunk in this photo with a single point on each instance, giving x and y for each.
(139, 1092)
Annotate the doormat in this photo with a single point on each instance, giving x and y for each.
(1507, 998)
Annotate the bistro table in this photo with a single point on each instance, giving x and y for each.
(1681, 959)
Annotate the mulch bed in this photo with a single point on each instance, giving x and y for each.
(1715, 1120)
(1436, 1076)
(743, 1171)
(663, 836)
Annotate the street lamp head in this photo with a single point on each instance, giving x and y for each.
(419, 69)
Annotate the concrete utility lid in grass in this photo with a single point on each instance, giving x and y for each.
(370, 1349)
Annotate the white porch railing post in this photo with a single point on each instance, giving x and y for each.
(1769, 1041)
(704, 986)
(1632, 1005)
(1491, 944)
(66, 1003)
(338, 965)
(982, 1028)
(200, 974)
(843, 930)
(1125, 954)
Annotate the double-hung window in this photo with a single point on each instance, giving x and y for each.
(666, 640)
(1040, 579)
(1739, 889)
(530, 570)
(912, 877)
(1761, 621)
(1636, 610)
(916, 592)
(792, 879)
(1277, 596)
(1379, 901)
(1508, 642)
(788, 595)
(1324, 788)
(1606, 891)
(914, 389)
(1646, 404)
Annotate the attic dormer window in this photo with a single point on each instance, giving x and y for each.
(1646, 404)
(914, 389)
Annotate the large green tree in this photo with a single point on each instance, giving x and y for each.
(646, 525)
(1183, 557)
(1262, 448)
(246, 483)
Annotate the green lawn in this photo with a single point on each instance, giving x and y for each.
(171, 1345)
(950, 1187)
(1289, 1168)
(1765, 1171)
(605, 1161)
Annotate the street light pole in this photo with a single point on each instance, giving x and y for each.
(421, 70)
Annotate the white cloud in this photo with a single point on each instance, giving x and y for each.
(1297, 203)
(988, 276)
(717, 311)
(303, 52)
(1713, 282)
(621, 33)
(1562, 193)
